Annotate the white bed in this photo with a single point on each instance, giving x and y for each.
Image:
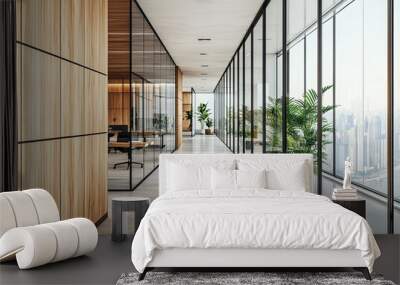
(201, 226)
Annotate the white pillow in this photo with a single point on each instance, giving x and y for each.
(251, 178)
(223, 179)
(283, 171)
(183, 177)
(291, 178)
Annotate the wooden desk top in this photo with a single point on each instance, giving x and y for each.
(135, 144)
(147, 133)
(141, 133)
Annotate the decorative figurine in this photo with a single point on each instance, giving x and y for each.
(347, 174)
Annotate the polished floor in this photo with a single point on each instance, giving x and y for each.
(202, 144)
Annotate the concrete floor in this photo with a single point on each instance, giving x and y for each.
(102, 266)
(110, 259)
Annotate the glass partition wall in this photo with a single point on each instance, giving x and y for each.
(343, 54)
(396, 109)
(141, 106)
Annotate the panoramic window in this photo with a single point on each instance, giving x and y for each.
(361, 92)
(273, 80)
(247, 96)
(230, 109)
(258, 87)
(327, 96)
(241, 115)
(235, 105)
(354, 90)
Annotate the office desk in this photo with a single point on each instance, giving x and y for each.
(135, 144)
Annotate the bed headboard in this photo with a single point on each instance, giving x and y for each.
(210, 159)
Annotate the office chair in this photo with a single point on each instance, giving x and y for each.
(126, 137)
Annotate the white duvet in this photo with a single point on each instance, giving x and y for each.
(253, 218)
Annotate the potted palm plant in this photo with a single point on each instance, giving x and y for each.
(301, 118)
(209, 124)
(203, 112)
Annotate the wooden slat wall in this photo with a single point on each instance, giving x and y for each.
(96, 29)
(41, 24)
(40, 89)
(95, 176)
(62, 102)
(118, 39)
(72, 99)
(41, 166)
(72, 34)
(95, 105)
(118, 103)
(73, 177)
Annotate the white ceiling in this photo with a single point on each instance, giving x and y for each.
(179, 24)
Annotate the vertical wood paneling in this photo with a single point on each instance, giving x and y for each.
(115, 100)
(41, 167)
(72, 99)
(95, 102)
(72, 30)
(41, 24)
(95, 176)
(58, 98)
(114, 117)
(40, 95)
(18, 19)
(96, 42)
(19, 187)
(118, 106)
(18, 88)
(72, 177)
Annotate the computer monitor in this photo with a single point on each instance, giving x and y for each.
(118, 128)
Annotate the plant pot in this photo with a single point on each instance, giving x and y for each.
(208, 132)
(202, 131)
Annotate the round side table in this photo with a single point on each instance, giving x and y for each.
(139, 205)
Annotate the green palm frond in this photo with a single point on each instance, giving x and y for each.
(301, 122)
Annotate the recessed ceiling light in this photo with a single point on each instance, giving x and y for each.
(203, 39)
(204, 65)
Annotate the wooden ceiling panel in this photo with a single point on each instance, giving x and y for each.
(118, 38)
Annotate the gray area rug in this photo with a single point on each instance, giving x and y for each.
(228, 278)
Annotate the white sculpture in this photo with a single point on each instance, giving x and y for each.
(347, 174)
